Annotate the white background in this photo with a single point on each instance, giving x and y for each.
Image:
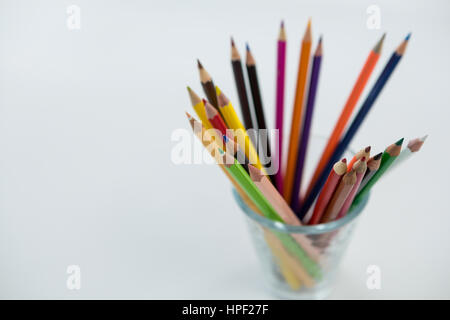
(85, 145)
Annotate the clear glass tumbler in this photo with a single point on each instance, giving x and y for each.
(300, 262)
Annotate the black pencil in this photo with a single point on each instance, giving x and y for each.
(240, 86)
(258, 108)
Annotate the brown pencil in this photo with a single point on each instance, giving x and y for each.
(208, 85)
(339, 196)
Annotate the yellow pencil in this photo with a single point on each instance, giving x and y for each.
(199, 108)
(232, 119)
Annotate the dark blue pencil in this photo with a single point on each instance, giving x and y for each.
(304, 137)
(359, 118)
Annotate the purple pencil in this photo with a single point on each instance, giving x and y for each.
(303, 145)
(281, 68)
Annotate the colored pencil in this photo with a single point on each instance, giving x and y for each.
(238, 173)
(356, 123)
(349, 106)
(280, 205)
(335, 176)
(208, 85)
(240, 86)
(360, 168)
(234, 149)
(199, 108)
(205, 137)
(337, 201)
(297, 115)
(372, 166)
(280, 252)
(304, 137)
(292, 271)
(413, 146)
(361, 153)
(263, 136)
(277, 154)
(388, 157)
(215, 118)
(240, 134)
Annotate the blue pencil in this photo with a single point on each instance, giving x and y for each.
(359, 118)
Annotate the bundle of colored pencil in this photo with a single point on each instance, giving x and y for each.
(272, 183)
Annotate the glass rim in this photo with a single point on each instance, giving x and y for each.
(304, 229)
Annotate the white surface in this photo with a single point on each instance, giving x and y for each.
(86, 121)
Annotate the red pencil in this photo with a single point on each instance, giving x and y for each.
(215, 118)
(339, 169)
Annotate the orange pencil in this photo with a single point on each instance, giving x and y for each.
(297, 116)
(346, 113)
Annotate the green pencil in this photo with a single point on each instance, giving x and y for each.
(241, 176)
(389, 155)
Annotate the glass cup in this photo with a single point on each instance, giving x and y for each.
(300, 262)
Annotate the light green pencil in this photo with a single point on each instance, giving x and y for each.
(241, 176)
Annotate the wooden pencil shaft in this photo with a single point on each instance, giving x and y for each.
(259, 110)
(297, 114)
(333, 180)
(279, 108)
(338, 199)
(360, 169)
(210, 91)
(242, 94)
(306, 128)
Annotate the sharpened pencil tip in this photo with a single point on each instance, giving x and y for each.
(408, 36)
(344, 160)
(188, 115)
(363, 159)
(379, 45)
(400, 142)
(378, 156)
(282, 24)
(367, 149)
(232, 41)
(199, 65)
(424, 137)
(309, 22)
(247, 47)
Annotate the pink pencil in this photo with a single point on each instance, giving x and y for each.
(360, 167)
(281, 67)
